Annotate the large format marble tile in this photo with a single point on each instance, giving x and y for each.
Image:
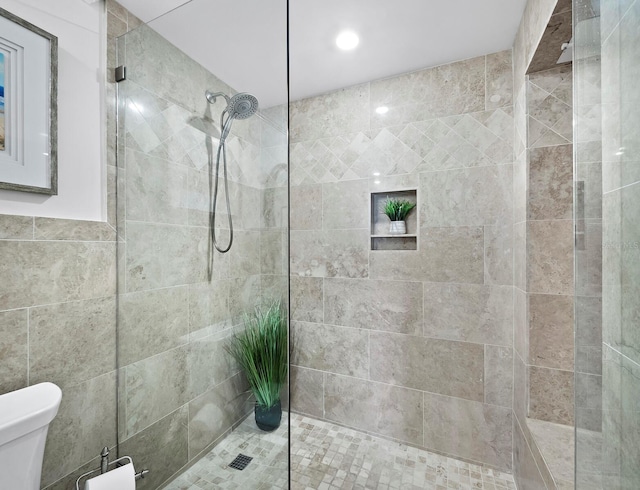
(393, 306)
(551, 331)
(521, 323)
(208, 307)
(85, 423)
(16, 227)
(437, 366)
(245, 254)
(307, 299)
(498, 375)
(339, 350)
(162, 448)
(468, 429)
(499, 80)
(446, 255)
(70, 343)
(208, 364)
(144, 406)
(456, 88)
(468, 197)
(164, 255)
(331, 253)
(307, 391)
(551, 183)
(216, 411)
(469, 313)
(498, 254)
(69, 229)
(551, 395)
(345, 205)
(306, 207)
(157, 190)
(151, 322)
(550, 256)
(332, 114)
(14, 350)
(50, 272)
(383, 409)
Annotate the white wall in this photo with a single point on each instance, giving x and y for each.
(79, 27)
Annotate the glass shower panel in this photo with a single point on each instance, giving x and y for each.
(607, 66)
(184, 403)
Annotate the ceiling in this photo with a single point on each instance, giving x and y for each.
(243, 42)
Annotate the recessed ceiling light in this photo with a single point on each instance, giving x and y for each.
(376, 174)
(347, 40)
(382, 109)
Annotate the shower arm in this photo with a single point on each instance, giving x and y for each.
(212, 96)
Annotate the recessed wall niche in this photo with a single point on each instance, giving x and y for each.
(381, 238)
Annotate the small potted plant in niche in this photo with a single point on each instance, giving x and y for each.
(397, 211)
(261, 350)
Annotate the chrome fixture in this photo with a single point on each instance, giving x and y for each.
(240, 106)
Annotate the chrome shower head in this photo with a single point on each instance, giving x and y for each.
(242, 106)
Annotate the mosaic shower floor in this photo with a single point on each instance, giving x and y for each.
(325, 456)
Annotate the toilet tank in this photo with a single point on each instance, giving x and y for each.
(25, 416)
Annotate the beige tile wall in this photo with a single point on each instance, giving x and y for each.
(412, 345)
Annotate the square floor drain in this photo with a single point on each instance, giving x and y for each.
(241, 462)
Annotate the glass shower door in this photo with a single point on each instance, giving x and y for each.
(185, 407)
(607, 64)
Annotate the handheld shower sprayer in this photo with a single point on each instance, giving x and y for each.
(240, 106)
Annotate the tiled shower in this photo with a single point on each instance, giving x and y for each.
(493, 346)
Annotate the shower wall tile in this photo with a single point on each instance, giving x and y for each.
(339, 208)
(437, 366)
(498, 375)
(307, 212)
(452, 254)
(334, 253)
(16, 227)
(271, 257)
(307, 299)
(393, 306)
(161, 255)
(456, 88)
(338, 350)
(520, 389)
(151, 322)
(557, 408)
(73, 342)
(75, 230)
(85, 423)
(14, 350)
(208, 364)
(170, 370)
(307, 391)
(51, 272)
(460, 197)
(157, 190)
(163, 448)
(333, 114)
(383, 409)
(469, 313)
(551, 331)
(498, 254)
(449, 133)
(551, 183)
(245, 257)
(550, 256)
(468, 429)
(244, 295)
(208, 308)
(213, 413)
(499, 80)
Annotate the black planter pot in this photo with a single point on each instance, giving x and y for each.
(268, 419)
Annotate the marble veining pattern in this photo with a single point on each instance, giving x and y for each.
(326, 456)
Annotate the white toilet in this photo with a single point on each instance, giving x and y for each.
(25, 416)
